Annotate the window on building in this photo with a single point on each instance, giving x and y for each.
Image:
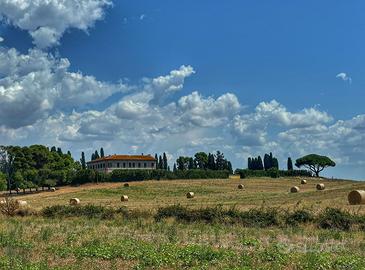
(152, 165)
(130, 165)
(145, 165)
(134, 165)
(117, 164)
(123, 164)
(139, 165)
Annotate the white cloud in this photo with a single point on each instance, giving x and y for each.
(1, 39)
(35, 84)
(47, 20)
(343, 76)
(142, 17)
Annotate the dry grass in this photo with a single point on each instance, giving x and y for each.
(150, 195)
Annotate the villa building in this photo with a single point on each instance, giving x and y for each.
(123, 162)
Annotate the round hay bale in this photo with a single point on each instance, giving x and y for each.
(240, 186)
(190, 195)
(294, 189)
(303, 182)
(74, 201)
(53, 189)
(320, 186)
(124, 198)
(126, 185)
(21, 203)
(356, 197)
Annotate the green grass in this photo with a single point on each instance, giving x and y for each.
(93, 239)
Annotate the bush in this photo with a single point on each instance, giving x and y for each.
(260, 217)
(3, 184)
(251, 218)
(9, 207)
(298, 217)
(333, 218)
(89, 211)
(273, 173)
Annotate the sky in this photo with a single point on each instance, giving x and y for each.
(243, 77)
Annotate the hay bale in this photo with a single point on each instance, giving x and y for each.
(303, 182)
(124, 198)
(190, 195)
(240, 186)
(53, 189)
(21, 203)
(74, 201)
(320, 186)
(294, 189)
(126, 185)
(356, 197)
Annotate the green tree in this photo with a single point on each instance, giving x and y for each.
(3, 184)
(211, 162)
(182, 163)
(59, 151)
(220, 161)
(160, 163)
(164, 160)
(201, 160)
(260, 165)
(315, 163)
(191, 165)
(83, 161)
(249, 163)
(290, 164)
(174, 168)
(96, 154)
(101, 152)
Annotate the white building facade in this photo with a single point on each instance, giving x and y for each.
(123, 162)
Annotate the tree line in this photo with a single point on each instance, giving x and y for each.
(203, 161)
(36, 166)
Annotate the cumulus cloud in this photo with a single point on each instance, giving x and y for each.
(35, 84)
(47, 20)
(1, 39)
(343, 76)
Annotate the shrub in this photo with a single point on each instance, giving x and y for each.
(298, 217)
(9, 206)
(260, 217)
(333, 218)
(89, 211)
(273, 173)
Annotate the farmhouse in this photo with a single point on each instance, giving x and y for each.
(124, 162)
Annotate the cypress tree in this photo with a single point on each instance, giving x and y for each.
(160, 163)
(53, 149)
(266, 162)
(275, 163)
(249, 163)
(59, 151)
(96, 154)
(290, 164)
(174, 169)
(82, 160)
(260, 165)
(69, 153)
(211, 162)
(164, 159)
(191, 164)
(92, 156)
(101, 152)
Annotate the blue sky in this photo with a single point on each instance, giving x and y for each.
(280, 76)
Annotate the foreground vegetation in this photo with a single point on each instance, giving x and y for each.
(136, 240)
(260, 227)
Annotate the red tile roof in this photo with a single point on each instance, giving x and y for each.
(125, 157)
